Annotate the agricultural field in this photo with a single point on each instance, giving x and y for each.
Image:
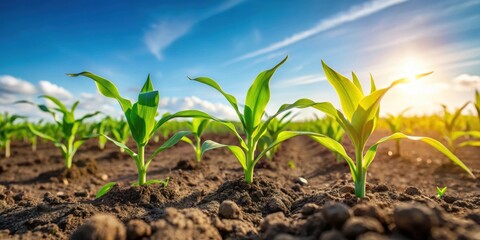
(142, 177)
(240, 119)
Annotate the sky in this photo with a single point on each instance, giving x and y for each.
(232, 41)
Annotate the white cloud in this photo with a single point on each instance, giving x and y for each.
(177, 104)
(465, 82)
(164, 33)
(54, 90)
(13, 85)
(303, 80)
(354, 13)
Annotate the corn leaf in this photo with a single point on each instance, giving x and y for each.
(105, 189)
(236, 150)
(88, 116)
(123, 146)
(230, 98)
(107, 89)
(41, 134)
(370, 155)
(187, 140)
(472, 143)
(357, 83)
(143, 116)
(349, 94)
(57, 102)
(258, 96)
(168, 144)
(148, 86)
(182, 114)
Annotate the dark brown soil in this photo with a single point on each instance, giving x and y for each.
(210, 200)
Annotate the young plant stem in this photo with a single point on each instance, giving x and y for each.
(68, 160)
(198, 149)
(70, 152)
(361, 174)
(142, 172)
(250, 160)
(7, 148)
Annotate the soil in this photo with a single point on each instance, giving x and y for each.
(210, 200)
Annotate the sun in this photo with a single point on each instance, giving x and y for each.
(411, 68)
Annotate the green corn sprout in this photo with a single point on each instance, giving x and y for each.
(121, 133)
(276, 126)
(197, 127)
(68, 124)
(395, 123)
(103, 128)
(252, 126)
(32, 138)
(7, 128)
(359, 118)
(333, 130)
(450, 132)
(441, 192)
(141, 120)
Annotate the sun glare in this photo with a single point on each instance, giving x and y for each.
(411, 68)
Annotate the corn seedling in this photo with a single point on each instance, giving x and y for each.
(333, 130)
(252, 126)
(7, 128)
(197, 127)
(395, 124)
(359, 118)
(102, 128)
(30, 136)
(69, 126)
(441, 192)
(276, 126)
(141, 121)
(121, 133)
(450, 132)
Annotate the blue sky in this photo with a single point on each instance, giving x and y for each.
(231, 42)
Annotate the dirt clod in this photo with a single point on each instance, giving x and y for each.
(101, 227)
(356, 226)
(414, 220)
(412, 191)
(336, 214)
(184, 224)
(229, 209)
(137, 229)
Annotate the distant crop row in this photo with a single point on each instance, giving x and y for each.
(259, 135)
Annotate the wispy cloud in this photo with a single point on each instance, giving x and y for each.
(165, 32)
(354, 13)
(302, 80)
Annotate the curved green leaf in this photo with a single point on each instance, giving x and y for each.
(105, 189)
(168, 144)
(236, 150)
(347, 92)
(106, 88)
(123, 146)
(230, 98)
(324, 140)
(57, 102)
(370, 155)
(41, 134)
(258, 96)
